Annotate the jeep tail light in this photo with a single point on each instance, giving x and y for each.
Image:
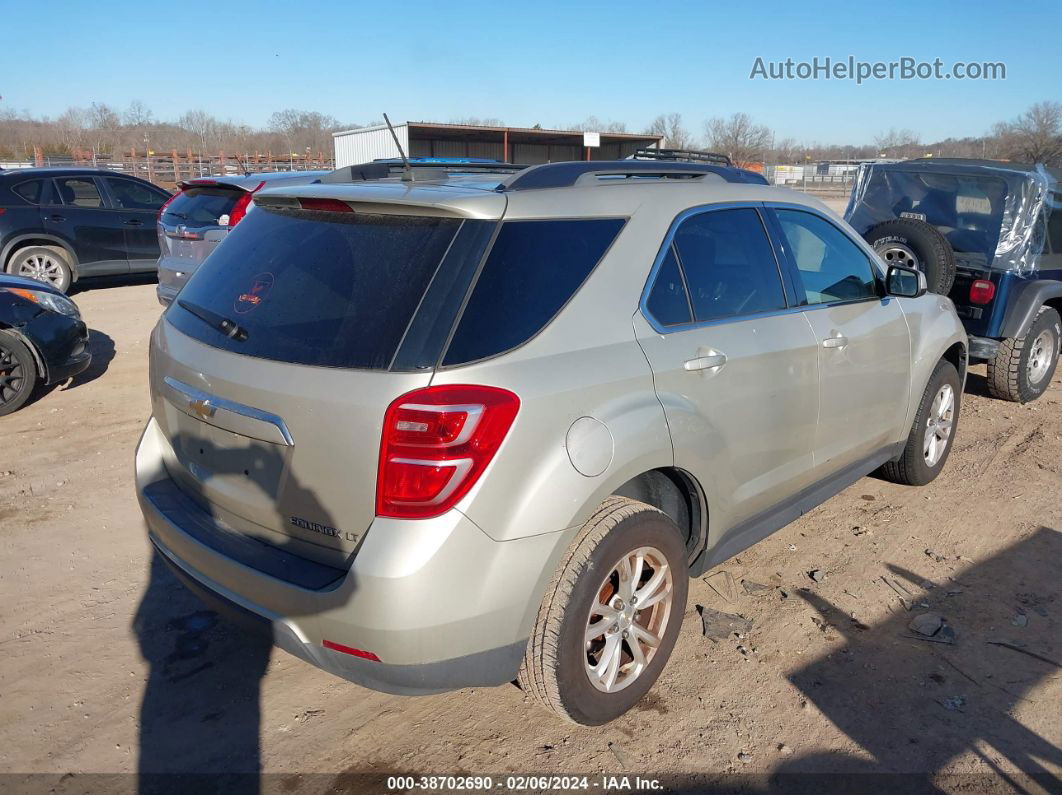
(239, 209)
(982, 291)
(436, 443)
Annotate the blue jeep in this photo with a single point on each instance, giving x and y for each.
(988, 234)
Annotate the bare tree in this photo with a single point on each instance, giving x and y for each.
(1035, 136)
(105, 125)
(898, 143)
(476, 121)
(738, 137)
(73, 127)
(138, 115)
(594, 124)
(669, 125)
(202, 125)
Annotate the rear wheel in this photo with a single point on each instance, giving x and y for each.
(929, 443)
(915, 244)
(18, 373)
(611, 615)
(1022, 368)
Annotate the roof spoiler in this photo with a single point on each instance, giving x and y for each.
(366, 172)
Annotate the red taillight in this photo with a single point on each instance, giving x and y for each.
(365, 655)
(436, 443)
(326, 205)
(239, 209)
(982, 291)
(166, 204)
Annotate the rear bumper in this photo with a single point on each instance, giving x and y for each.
(440, 603)
(166, 294)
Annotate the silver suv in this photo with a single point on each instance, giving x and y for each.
(440, 430)
(199, 215)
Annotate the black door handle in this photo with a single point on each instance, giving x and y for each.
(57, 218)
(134, 222)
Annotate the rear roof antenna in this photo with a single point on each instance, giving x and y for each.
(407, 170)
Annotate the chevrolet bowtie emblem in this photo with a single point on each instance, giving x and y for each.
(202, 408)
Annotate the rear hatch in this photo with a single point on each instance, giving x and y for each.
(272, 370)
(196, 220)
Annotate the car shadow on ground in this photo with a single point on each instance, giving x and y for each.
(200, 715)
(119, 280)
(977, 384)
(102, 348)
(914, 705)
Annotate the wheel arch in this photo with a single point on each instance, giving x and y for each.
(37, 239)
(42, 367)
(1023, 308)
(678, 494)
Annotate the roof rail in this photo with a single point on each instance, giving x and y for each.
(683, 155)
(364, 172)
(566, 174)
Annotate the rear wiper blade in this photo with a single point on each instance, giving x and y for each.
(227, 327)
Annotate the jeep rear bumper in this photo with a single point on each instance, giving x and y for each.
(983, 348)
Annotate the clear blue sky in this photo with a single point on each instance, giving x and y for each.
(551, 63)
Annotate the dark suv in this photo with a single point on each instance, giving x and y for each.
(60, 224)
(988, 234)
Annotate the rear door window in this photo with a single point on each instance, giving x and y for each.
(79, 192)
(317, 288)
(668, 302)
(129, 195)
(531, 272)
(729, 264)
(200, 206)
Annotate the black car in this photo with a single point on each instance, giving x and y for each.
(60, 224)
(42, 338)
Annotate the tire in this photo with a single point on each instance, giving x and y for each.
(18, 373)
(555, 667)
(1023, 367)
(914, 467)
(899, 240)
(49, 264)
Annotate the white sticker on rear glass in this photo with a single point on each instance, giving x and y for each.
(978, 205)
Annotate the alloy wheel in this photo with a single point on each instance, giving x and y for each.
(12, 377)
(43, 268)
(628, 619)
(899, 254)
(939, 424)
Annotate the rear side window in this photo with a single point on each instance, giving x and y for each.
(30, 191)
(317, 288)
(131, 195)
(78, 192)
(197, 207)
(532, 270)
(729, 265)
(668, 302)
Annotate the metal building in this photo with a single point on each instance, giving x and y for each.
(512, 144)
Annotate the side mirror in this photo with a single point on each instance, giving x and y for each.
(905, 282)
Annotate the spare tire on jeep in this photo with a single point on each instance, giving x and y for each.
(915, 244)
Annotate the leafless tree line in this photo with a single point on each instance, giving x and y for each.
(101, 129)
(1034, 136)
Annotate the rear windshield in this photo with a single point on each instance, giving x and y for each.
(196, 207)
(318, 288)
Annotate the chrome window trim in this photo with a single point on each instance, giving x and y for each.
(231, 406)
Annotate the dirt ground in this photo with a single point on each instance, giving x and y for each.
(108, 666)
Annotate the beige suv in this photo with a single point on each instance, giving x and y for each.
(434, 430)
